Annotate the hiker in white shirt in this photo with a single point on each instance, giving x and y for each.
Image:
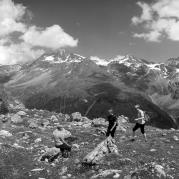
(140, 122)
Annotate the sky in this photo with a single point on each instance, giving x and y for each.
(104, 29)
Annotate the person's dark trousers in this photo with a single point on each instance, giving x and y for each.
(110, 132)
(65, 149)
(141, 126)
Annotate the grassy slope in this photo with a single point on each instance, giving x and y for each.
(17, 163)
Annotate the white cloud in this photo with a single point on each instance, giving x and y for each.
(146, 13)
(10, 16)
(20, 53)
(159, 19)
(151, 36)
(52, 37)
(20, 48)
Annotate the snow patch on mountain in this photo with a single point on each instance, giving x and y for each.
(154, 66)
(49, 58)
(61, 58)
(99, 61)
(82, 57)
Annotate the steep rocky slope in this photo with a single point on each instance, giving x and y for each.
(23, 141)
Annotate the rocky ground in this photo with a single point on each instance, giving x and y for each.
(25, 135)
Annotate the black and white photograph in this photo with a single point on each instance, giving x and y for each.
(89, 89)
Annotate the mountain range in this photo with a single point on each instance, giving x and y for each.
(68, 82)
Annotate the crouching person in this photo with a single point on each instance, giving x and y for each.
(59, 136)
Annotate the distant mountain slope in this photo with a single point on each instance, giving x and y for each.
(70, 82)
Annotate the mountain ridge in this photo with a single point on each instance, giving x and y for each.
(57, 77)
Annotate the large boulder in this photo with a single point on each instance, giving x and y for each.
(104, 148)
(16, 119)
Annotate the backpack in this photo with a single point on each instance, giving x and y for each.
(146, 116)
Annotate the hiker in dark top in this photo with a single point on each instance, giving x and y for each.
(140, 122)
(112, 119)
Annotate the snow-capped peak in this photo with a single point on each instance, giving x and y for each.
(127, 61)
(62, 58)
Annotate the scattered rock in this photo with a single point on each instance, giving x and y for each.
(122, 138)
(16, 119)
(33, 125)
(4, 118)
(105, 173)
(17, 146)
(38, 140)
(150, 170)
(76, 116)
(21, 113)
(77, 161)
(85, 119)
(5, 133)
(54, 118)
(153, 150)
(37, 169)
(175, 138)
(75, 147)
(67, 117)
(127, 177)
(122, 119)
(63, 170)
(99, 122)
(172, 129)
(125, 161)
(18, 105)
(121, 128)
(117, 175)
(69, 175)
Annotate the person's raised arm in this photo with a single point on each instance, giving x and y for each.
(115, 123)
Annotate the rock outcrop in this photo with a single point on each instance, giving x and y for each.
(104, 148)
